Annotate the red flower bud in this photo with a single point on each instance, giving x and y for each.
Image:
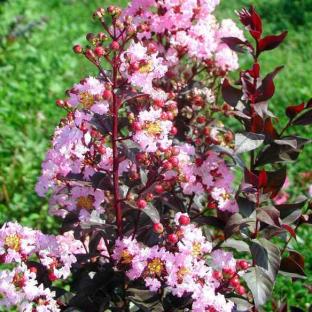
(167, 165)
(60, 103)
(114, 45)
(173, 238)
(184, 220)
(158, 228)
(234, 282)
(77, 49)
(136, 126)
(241, 290)
(52, 277)
(174, 161)
(217, 275)
(141, 203)
(107, 95)
(173, 131)
(99, 51)
(242, 264)
(159, 189)
(201, 119)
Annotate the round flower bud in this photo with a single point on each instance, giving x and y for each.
(201, 119)
(173, 131)
(175, 151)
(184, 220)
(174, 161)
(158, 228)
(159, 189)
(107, 95)
(228, 272)
(77, 49)
(101, 149)
(234, 281)
(242, 264)
(167, 165)
(99, 51)
(151, 48)
(52, 277)
(173, 238)
(241, 290)
(60, 103)
(114, 45)
(141, 203)
(149, 197)
(89, 54)
(136, 126)
(217, 275)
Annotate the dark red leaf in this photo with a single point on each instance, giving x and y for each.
(297, 257)
(256, 124)
(293, 110)
(291, 267)
(269, 129)
(255, 71)
(269, 215)
(251, 178)
(275, 182)
(304, 120)
(252, 21)
(271, 42)
(230, 94)
(262, 179)
(267, 88)
(290, 230)
(236, 44)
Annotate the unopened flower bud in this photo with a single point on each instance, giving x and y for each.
(115, 45)
(141, 203)
(99, 51)
(184, 219)
(77, 49)
(173, 238)
(158, 228)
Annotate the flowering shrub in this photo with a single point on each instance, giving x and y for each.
(153, 190)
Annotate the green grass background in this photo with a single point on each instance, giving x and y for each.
(37, 65)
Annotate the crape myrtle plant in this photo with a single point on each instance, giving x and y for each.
(153, 191)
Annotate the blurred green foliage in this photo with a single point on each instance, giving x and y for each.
(37, 65)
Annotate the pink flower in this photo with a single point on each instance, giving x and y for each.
(154, 132)
(88, 95)
(223, 260)
(224, 199)
(141, 68)
(16, 242)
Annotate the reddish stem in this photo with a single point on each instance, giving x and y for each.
(117, 202)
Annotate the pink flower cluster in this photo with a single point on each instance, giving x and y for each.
(141, 65)
(19, 288)
(209, 176)
(21, 246)
(190, 27)
(179, 263)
